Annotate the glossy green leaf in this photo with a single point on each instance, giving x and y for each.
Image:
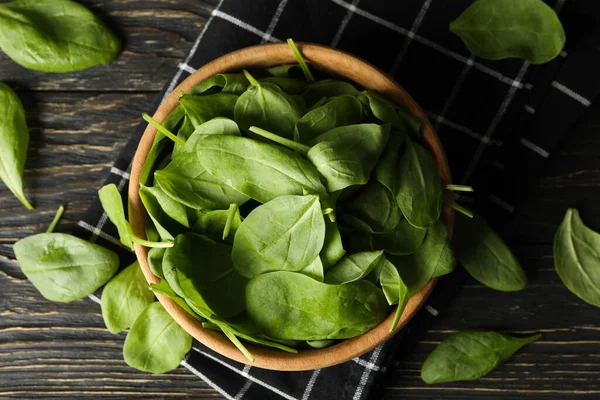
(169, 216)
(387, 111)
(285, 234)
(155, 261)
(212, 224)
(470, 355)
(375, 206)
(111, 201)
(333, 248)
(314, 270)
(206, 275)
(231, 83)
(200, 109)
(291, 306)
(64, 268)
(262, 171)
(419, 190)
(339, 111)
(404, 239)
(14, 140)
(267, 106)
(394, 289)
(353, 267)
(497, 29)
(485, 256)
(156, 343)
(346, 155)
(577, 257)
(55, 36)
(124, 298)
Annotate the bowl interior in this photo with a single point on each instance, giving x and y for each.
(334, 62)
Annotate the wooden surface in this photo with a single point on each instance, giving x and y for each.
(78, 124)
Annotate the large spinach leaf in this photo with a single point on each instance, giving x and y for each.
(346, 155)
(496, 29)
(156, 343)
(14, 140)
(419, 190)
(55, 35)
(124, 298)
(285, 234)
(262, 171)
(64, 268)
(470, 355)
(485, 256)
(577, 257)
(291, 306)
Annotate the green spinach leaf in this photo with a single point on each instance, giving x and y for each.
(285, 234)
(291, 306)
(327, 88)
(385, 170)
(315, 270)
(404, 239)
(333, 248)
(64, 268)
(394, 289)
(389, 112)
(111, 201)
(212, 224)
(375, 207)
(470, 355)
(200, 109)
(14, 140)
(577, 257)
(353, 267)
(169, 216)
(288, 85)
(155, 261)
(231, 83)
(124, 298)
(346, 155)
(156, 343)
(485, 256)
(496, 29)
(55, 36)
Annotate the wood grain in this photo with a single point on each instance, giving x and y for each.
(80, 121)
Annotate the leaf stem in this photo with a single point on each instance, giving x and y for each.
(309, 76)
(250, 78)
(278, 139)
(146, 243)
(57, 218)
(230, 215)
(462, 209)
(460, 188)
(163, 130)
(25, 202)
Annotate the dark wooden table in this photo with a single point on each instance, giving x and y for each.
(80, 121)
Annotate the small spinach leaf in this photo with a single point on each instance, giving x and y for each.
(169, 216)
(470, 355)
(286, 233)
(212, 224)
(353, 267)
(394, 289)
(333, 248)
(111, 201)
(496, 29)
(64, 268)
(327, 88)
(291, 306)
(155, 261)
(231, 83)
(156, 343)
(389, 112)
(375, 206)
(124, 298)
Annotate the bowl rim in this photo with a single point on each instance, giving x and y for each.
(332, 61)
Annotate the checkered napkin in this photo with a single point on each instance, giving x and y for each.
(498, 122)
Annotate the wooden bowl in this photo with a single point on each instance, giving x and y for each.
(337, 63)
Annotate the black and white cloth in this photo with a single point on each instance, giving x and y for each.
(498, 122)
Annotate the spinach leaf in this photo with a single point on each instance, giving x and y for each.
(169, 216)
(14, 140)
(285, 234)
(200, 109)
(111, 201)
(485, 256)
(404, 239)
(64, 268)
(161, 143)
(206, 275)
(267, 106)
(327, 88)
(339, 111)
(155, 261)
(394, 289)
(419, 190)
(577, 256)
(314, 270)
(470, 355)
(291, 306)
(333, 248)
(375, 207)
(231, 83)
(346, 155)
(218, 126)
(285, 70)
(164, 289)
(156, 343)
(124, 298)
(385, 170)
(262, 171)
(353, 267)
(213, 223)
(389, 112)
(288, 85)
(55, 36)
(496, 29)
(432, 259)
